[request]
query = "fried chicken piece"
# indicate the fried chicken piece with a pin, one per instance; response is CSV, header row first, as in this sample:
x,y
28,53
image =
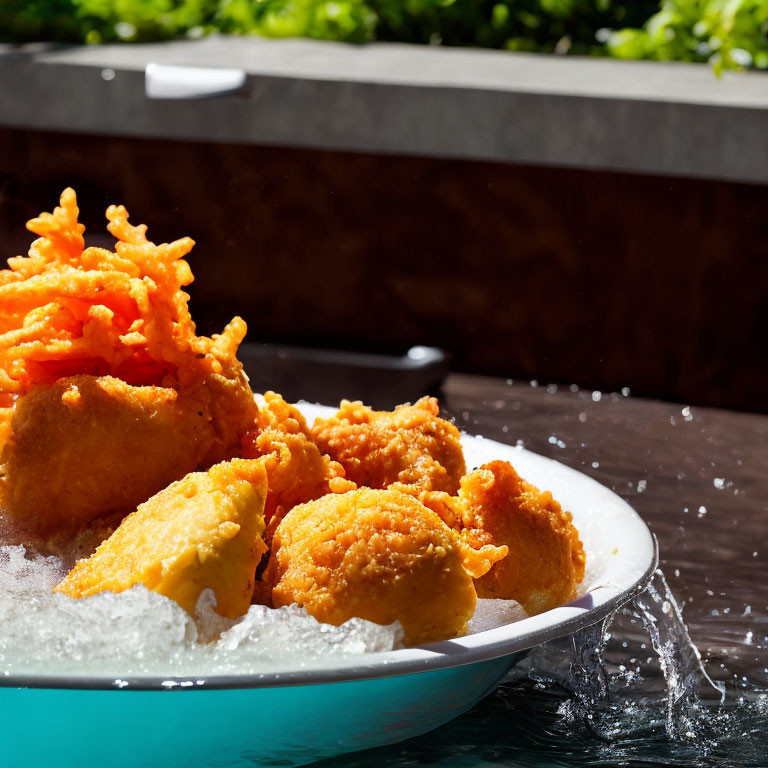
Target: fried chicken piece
x,y
202,532
107,393
378,555
546,559
410,447
297,471
90,446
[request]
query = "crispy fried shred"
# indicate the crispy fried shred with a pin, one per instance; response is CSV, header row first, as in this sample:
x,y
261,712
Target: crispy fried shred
x,y
67,309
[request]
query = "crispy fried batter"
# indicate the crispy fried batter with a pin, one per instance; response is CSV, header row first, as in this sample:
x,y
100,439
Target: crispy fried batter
x,y
546,559
86,447
378,555
202,532
481,553
410,446
296,470
69,311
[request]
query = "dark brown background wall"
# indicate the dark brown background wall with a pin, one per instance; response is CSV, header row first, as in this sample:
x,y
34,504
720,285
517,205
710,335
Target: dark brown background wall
x,y
601,279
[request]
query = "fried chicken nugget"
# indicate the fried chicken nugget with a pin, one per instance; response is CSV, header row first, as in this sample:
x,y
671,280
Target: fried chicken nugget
x,y
378,555
410,446
91,446
202,532
297,471
546,559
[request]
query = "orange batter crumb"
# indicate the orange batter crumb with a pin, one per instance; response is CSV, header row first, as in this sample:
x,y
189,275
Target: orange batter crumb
x,y
410,446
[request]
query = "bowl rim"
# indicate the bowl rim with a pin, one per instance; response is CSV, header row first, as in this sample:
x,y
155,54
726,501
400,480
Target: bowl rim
x,y
597,604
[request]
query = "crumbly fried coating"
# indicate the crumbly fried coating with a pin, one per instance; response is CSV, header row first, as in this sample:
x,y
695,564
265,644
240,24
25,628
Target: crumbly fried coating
x,y
546,559
378,555
67,309
90,446
202,532
278,414
296,470
71,313
410,447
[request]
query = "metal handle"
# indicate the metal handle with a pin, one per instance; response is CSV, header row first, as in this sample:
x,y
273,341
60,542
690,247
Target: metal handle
x,y
163,81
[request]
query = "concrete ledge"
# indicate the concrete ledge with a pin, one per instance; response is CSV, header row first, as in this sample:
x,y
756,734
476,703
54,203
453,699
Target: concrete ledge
x,y
647,117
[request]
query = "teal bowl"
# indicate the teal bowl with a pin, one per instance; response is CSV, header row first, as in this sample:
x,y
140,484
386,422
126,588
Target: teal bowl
x,y
317,709
288,725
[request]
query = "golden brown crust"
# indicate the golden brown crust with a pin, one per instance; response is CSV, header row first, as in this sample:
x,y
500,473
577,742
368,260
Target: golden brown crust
x,y
89,446
107,395
379,555
296,469
410,446
202,532
546,560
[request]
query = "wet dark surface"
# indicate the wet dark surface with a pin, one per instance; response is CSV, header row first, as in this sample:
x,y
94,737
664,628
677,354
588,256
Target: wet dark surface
x,y
699,477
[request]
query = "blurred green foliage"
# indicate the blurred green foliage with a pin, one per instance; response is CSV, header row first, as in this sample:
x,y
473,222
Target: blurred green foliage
x,y
728,33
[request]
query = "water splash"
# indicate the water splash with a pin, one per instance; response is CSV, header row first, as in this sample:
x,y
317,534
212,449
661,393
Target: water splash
x,y
631,691
688,683
621,690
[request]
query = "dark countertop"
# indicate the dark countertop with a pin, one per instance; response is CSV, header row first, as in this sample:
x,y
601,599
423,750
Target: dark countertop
x,y
699,477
